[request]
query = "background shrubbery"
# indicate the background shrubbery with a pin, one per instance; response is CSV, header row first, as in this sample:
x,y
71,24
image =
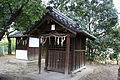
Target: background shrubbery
x,y
4,46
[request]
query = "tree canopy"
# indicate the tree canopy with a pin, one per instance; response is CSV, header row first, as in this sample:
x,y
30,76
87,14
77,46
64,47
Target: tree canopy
x,y
21,13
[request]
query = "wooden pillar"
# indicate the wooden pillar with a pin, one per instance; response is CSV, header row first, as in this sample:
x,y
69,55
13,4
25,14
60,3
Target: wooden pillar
x,y
39,57
74,44
84,51
67,55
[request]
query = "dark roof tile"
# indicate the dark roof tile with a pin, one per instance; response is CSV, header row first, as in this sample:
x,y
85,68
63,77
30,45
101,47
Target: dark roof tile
x,y
17,34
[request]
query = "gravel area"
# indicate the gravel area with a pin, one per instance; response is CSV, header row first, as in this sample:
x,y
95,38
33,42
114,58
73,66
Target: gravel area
x,y
19,71
102,72
7,67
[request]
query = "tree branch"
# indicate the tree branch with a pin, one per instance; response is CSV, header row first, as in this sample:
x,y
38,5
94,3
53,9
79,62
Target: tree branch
x,y
14,16
10,8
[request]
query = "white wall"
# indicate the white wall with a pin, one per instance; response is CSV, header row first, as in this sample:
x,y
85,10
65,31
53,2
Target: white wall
x,y
21,54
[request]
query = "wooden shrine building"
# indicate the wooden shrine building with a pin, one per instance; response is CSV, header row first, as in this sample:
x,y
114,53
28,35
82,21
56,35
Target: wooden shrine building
x,y
24,48
64,40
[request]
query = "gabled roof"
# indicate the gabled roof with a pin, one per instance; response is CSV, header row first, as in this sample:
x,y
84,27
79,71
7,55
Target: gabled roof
x,y
57,15
17,34
66,21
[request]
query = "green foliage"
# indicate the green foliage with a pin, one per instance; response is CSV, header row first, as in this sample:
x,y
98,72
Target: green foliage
x,y
43,51
113,56
4,46
13,45
31,11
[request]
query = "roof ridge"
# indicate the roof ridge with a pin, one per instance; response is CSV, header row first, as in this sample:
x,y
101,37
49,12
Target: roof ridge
x,y
59,13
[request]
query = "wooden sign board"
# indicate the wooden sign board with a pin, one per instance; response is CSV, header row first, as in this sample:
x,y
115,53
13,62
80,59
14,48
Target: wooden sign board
x,y
33,42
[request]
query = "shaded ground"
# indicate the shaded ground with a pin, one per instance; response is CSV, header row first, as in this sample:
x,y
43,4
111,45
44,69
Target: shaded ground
x,y
102,72
17,71
7,67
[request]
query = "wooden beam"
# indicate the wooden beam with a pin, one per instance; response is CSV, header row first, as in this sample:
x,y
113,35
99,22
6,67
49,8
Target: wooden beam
x,y
74,44
78,70
67,55
39,57
80,50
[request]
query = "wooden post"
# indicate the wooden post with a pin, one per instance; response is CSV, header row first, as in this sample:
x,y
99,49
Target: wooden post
x,y
74,44
67,55
39,58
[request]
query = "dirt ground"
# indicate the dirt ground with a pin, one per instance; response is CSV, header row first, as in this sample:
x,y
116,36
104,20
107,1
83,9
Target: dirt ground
x,y
8,66
18,71
102,72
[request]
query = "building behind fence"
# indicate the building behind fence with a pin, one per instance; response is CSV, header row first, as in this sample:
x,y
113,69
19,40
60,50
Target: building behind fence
x,y
4,49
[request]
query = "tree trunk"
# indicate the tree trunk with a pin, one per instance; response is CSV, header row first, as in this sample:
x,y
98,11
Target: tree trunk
x,y
105,58
9,46
117,61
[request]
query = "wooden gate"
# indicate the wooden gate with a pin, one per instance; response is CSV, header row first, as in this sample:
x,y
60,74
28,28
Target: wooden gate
x,y
56,57
56,60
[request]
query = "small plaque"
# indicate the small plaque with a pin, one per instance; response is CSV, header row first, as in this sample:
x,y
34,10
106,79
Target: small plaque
x,y
53,27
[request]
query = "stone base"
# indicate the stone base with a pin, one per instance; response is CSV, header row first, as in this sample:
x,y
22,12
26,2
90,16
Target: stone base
x,y
22,62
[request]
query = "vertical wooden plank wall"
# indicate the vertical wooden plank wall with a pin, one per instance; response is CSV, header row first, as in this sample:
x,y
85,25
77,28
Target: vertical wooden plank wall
x,y
79,53
39,57
33,53
21,43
